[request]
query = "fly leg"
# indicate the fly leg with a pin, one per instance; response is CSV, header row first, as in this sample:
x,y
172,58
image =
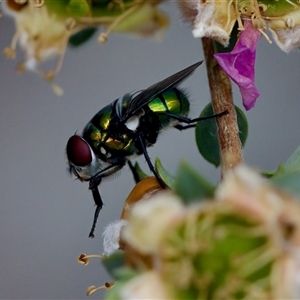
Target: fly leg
x,y
99,204
191,122
94,182
148,160
93,186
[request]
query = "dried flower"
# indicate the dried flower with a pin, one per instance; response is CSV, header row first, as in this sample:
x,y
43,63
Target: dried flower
x,y
286,30
41,35
215,19
43,27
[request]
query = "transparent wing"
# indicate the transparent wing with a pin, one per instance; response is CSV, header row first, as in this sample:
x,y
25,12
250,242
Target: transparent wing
x,y
151,92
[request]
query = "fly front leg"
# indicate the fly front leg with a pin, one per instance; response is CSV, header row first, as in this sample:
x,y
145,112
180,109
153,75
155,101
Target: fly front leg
x,y
99,204
94,182
93,186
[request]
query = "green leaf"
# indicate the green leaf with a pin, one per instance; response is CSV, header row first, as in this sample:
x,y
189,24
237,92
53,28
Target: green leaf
x,y
82,36
292,164
289,181
191,186
114,293
137,172
163,174
207,138
278,8
113,263
287,175
268,174
142,175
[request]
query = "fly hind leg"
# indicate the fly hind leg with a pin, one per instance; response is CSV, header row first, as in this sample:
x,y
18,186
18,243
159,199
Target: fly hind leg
x,y
192,122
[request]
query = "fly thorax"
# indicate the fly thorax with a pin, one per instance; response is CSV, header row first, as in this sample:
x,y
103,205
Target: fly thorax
x,y
121,105
115,146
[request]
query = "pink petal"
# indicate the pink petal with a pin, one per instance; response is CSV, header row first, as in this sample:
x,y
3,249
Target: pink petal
x,y
239,64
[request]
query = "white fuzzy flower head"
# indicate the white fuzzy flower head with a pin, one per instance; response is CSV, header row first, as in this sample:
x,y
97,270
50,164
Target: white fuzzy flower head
x,y
215,19
149,220
254,197
250,235
41,35
146,286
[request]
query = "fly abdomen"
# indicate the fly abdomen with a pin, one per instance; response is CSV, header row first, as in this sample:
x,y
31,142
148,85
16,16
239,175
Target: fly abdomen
x,y
173,101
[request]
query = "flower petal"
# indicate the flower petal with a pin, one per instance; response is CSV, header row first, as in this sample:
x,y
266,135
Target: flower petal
x,y
239,64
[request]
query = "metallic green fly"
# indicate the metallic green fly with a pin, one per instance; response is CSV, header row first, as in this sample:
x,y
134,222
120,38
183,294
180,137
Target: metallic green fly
x,y
127,127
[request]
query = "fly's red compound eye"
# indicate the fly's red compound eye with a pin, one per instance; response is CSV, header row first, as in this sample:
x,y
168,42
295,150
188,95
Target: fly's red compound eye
x,y
78,151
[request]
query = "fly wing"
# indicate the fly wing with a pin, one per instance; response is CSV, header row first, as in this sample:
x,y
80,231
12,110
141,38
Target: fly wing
x,y
147,95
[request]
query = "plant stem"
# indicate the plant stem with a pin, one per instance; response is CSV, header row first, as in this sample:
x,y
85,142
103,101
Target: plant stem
x,y
221,98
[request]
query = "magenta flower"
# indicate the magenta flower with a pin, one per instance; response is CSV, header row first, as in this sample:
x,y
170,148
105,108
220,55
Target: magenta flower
x,y
239,63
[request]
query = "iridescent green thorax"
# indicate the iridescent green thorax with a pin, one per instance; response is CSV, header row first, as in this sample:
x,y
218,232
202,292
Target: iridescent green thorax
x,y
96,130
110,138
107,137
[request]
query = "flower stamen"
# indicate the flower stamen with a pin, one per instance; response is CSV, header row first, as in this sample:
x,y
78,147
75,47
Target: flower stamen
x,y
83,258
93,289
238,16
265,35
252,12
104,35
228,14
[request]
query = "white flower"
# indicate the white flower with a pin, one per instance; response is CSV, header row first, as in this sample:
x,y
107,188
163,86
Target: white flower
x,y
149,220
148,285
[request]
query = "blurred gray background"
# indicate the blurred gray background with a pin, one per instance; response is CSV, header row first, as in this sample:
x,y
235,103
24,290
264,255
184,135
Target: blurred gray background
x,y
45,215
